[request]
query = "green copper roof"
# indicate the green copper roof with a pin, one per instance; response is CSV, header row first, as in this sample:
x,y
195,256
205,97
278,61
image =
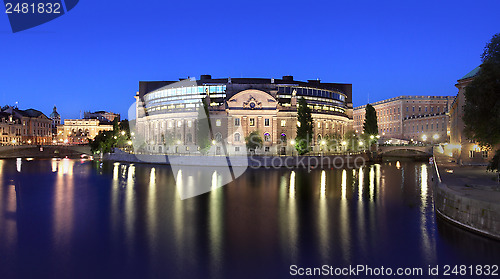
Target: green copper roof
x,y
472,73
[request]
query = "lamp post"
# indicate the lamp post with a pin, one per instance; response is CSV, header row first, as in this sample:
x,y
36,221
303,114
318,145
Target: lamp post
x,y
292,143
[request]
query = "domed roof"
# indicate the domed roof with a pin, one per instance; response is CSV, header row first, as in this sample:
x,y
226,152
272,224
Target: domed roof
x,y
54,113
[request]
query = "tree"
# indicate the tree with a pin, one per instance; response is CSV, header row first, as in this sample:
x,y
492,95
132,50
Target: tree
x,y
370,126
482,99
203,129
305,128
253,141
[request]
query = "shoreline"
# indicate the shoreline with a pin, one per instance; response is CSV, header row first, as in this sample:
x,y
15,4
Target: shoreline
x,y
474,208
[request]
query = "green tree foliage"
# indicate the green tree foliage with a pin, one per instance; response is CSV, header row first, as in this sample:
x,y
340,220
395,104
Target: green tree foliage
x,y
333,141
305,129
253,141
105,141
482,99
494,164
203,128
370,126
351,140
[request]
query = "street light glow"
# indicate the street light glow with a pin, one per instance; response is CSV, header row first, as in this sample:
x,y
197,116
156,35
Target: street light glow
x,y
436,136
424,137
292,142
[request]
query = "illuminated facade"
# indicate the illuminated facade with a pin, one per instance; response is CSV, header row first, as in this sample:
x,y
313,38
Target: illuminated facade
x,y
77,131
36,127
417,118
464,150
168,111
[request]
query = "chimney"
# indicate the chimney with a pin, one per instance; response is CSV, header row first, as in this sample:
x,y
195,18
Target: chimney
x,y
287,78
202,77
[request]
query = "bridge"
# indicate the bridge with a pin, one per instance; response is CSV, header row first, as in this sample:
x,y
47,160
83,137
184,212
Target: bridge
x,y
44,151
405,150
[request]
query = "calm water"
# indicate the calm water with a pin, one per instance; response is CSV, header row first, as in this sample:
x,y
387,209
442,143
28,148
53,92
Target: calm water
x,y
74,219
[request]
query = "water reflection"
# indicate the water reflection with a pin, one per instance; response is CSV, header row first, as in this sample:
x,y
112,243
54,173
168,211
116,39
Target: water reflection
x,y
135,217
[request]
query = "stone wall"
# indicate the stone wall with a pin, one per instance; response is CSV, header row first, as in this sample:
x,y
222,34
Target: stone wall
x,y
473,214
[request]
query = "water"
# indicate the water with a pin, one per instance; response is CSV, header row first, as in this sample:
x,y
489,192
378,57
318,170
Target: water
x,y
81,219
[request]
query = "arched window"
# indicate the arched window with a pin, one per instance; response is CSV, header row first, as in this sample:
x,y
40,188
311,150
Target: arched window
x,y
218,137
283,138
237,137
189,137
319,138
267,137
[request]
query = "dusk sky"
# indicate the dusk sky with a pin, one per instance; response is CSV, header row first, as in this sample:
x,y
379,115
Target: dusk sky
x,y
93,57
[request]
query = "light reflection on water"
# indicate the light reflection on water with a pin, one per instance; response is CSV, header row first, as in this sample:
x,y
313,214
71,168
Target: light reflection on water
x,y
130,219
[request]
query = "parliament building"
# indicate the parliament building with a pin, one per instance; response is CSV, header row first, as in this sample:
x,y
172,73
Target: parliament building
x,y
167,113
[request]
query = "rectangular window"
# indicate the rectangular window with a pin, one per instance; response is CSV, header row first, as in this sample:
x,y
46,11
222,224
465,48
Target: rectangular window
x,y
218,122
236,122
485,154
252,121
283,123
266,122
237,149
267,149
471,154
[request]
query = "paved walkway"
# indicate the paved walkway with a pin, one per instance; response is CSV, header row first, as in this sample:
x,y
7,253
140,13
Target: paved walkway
x,y
471,181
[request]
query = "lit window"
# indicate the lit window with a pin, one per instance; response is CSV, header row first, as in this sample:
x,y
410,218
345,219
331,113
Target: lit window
x,y
190,124
218,122
267,137
283,123
319,125
485,153
252,121
471,154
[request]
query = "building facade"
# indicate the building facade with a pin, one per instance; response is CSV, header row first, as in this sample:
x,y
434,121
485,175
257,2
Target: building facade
x,y
102,116
412,118
168,113
79,131
36,126
464,150
10,129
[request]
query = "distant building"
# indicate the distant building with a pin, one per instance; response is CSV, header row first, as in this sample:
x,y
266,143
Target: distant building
x,y
102,116
78,131
464,150
11,129
56,121
417,118
237,107
36,126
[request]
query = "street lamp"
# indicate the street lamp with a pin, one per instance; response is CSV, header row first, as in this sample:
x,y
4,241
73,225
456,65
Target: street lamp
x,y
129,142
123,133
372,137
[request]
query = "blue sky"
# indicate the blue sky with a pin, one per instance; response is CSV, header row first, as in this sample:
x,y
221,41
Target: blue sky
x,y
93,57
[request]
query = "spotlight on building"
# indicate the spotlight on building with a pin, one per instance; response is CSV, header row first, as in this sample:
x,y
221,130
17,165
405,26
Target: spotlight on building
x,y
323,142
360,143
372,137
123,133
424,137
436,136
179,142
29,141
344,142
129,142
214,142
14,141
292,142
378,136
